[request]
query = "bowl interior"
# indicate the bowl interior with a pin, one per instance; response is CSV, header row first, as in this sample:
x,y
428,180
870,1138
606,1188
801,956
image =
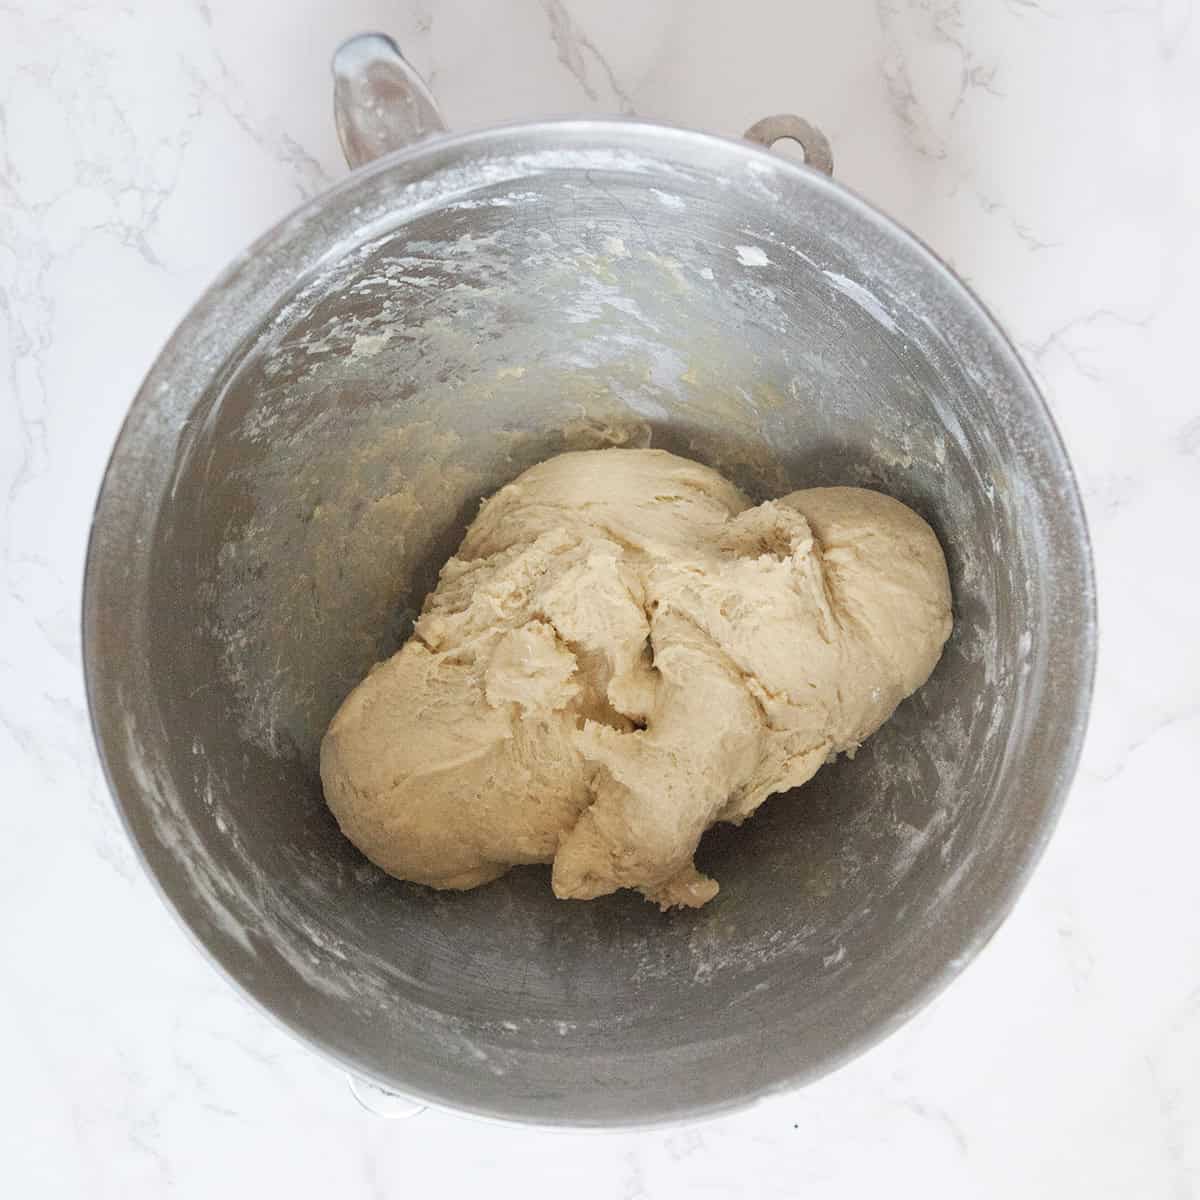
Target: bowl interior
x,y
329,464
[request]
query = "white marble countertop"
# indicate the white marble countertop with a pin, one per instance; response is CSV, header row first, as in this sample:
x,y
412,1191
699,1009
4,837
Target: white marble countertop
x,y
1050,149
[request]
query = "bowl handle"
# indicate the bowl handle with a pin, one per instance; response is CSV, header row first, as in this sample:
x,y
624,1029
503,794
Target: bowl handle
x,y
817,153
380,103
382,1102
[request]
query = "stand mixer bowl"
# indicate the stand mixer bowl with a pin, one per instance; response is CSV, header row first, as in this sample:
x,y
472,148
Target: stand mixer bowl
x,y
309,448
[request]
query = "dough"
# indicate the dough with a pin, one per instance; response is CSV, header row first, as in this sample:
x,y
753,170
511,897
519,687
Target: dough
x,y
623,652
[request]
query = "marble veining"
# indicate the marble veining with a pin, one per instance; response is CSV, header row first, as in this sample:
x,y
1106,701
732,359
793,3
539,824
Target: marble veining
x,y
1049,149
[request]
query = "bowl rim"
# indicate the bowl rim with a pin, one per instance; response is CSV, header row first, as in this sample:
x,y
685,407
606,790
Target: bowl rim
x,y
102,585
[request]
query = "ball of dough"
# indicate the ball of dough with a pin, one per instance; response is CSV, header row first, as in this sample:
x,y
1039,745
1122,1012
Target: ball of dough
x,y
623,652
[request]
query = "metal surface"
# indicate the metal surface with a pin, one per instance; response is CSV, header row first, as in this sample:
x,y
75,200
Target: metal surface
x,y
310,446
380,103
786,126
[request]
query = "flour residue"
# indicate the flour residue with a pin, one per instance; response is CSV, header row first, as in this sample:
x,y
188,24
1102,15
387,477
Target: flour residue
x,y
752,256
863,297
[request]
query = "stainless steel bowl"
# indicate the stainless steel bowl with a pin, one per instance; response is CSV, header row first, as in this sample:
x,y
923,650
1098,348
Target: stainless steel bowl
x,y
312,442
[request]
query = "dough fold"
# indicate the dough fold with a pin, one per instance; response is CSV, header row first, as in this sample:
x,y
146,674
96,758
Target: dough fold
x,y
623,652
